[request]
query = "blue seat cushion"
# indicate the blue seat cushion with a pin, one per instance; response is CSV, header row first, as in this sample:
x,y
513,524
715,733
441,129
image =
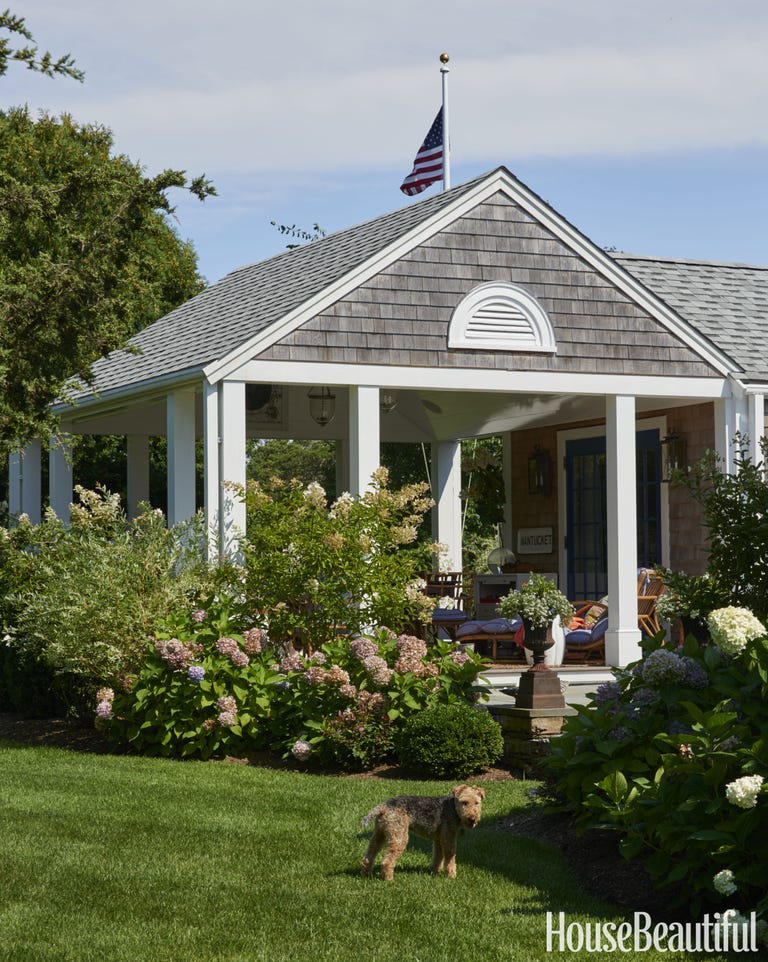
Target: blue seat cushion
x,y
449,615
497,626
587,636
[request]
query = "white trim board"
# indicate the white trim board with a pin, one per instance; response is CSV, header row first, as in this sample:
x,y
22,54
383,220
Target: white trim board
x,y
480,379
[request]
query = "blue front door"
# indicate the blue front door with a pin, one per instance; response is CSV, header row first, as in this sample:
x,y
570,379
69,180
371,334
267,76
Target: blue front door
x,y
586,542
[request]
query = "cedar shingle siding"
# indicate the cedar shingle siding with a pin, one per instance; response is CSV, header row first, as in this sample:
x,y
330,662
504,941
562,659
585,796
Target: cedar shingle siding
x,y
401,316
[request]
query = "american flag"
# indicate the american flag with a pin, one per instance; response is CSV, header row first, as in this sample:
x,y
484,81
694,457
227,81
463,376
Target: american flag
x,y
428,165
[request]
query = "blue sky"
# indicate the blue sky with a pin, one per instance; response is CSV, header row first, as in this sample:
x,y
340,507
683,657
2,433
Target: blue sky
x,y
643,124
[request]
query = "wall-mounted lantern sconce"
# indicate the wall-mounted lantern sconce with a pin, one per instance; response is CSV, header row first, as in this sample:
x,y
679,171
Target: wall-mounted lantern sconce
x,y
673,455
387,402
322,405
539,472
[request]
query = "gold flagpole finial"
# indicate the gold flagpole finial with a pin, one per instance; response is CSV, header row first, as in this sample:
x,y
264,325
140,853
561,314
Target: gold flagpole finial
x,y
444,58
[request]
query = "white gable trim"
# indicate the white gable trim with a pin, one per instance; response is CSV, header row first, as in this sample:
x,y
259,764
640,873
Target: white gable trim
x,y
501,317
498,181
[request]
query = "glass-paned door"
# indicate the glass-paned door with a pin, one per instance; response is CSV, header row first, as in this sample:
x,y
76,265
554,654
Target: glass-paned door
x,y
586,518
586,511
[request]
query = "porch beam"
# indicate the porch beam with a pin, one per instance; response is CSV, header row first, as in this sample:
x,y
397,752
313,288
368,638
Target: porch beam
x,y
517,382
622,639
364,437
446,491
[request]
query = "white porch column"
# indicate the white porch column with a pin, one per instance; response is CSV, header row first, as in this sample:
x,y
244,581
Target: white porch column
x,y
15,467
364,437
342,466
446,490
506,471
756,409
24,484
211,467
137,470
623,636
180,406
232,463
60,477
731,417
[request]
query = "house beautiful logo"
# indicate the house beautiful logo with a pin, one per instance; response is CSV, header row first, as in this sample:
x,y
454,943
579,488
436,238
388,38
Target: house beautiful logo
x,y
718,932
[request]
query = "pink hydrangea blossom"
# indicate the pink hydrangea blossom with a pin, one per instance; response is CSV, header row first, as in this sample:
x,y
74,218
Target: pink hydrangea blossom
x,y
230,648
378,670
226,719
178,654
363,648
336,676
292,662
315,675
255,640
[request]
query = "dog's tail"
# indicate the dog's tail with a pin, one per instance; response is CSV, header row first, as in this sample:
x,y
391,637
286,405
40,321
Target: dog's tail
x,y
374,813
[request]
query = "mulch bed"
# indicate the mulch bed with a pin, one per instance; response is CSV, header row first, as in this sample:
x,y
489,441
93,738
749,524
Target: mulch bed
x,y
593,856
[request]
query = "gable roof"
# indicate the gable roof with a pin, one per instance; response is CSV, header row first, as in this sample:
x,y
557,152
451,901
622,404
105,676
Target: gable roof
x,y
728,303
250,299
219,326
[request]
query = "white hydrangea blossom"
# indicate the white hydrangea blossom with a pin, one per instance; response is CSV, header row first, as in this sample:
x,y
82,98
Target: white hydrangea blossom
x,y
342,505
733,628
446,602
663,666
724,882
314,494
744,791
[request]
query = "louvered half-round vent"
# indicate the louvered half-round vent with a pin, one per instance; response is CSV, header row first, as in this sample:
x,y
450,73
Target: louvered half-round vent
x,y
501,317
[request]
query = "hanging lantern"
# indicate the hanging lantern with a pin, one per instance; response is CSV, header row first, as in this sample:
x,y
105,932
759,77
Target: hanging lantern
x,y
322,405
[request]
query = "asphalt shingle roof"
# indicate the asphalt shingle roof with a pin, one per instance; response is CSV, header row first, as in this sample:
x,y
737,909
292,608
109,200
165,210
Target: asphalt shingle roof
x,y
727,303
250,299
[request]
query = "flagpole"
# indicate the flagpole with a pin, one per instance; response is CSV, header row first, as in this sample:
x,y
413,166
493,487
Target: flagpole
x,y
444,70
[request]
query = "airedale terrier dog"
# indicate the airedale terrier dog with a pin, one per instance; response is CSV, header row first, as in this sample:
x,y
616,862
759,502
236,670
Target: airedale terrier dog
x,y
437,818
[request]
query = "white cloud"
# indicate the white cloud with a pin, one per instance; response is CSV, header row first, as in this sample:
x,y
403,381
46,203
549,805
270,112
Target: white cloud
x,y
333,85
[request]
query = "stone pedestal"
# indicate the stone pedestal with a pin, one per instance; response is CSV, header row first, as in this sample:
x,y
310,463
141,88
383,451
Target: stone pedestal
x,y
527,731
539,688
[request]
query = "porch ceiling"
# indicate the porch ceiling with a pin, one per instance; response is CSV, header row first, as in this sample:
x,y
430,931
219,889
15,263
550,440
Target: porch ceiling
x,y
420,415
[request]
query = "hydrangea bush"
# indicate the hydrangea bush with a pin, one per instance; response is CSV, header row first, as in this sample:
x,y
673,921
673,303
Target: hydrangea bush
x,y
673,754
314,567
78,600
213,684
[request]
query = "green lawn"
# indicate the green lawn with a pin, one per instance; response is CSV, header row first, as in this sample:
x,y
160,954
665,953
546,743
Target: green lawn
x,y
117,859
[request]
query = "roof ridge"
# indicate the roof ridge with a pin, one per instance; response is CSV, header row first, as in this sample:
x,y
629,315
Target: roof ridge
x,y
693,261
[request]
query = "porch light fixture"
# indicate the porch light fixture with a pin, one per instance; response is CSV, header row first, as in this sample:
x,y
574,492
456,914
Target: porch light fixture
x,y
387,402
673,455
539,472
322,405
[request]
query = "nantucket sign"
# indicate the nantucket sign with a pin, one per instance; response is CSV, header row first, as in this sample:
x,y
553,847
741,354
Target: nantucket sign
x,y
535,540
